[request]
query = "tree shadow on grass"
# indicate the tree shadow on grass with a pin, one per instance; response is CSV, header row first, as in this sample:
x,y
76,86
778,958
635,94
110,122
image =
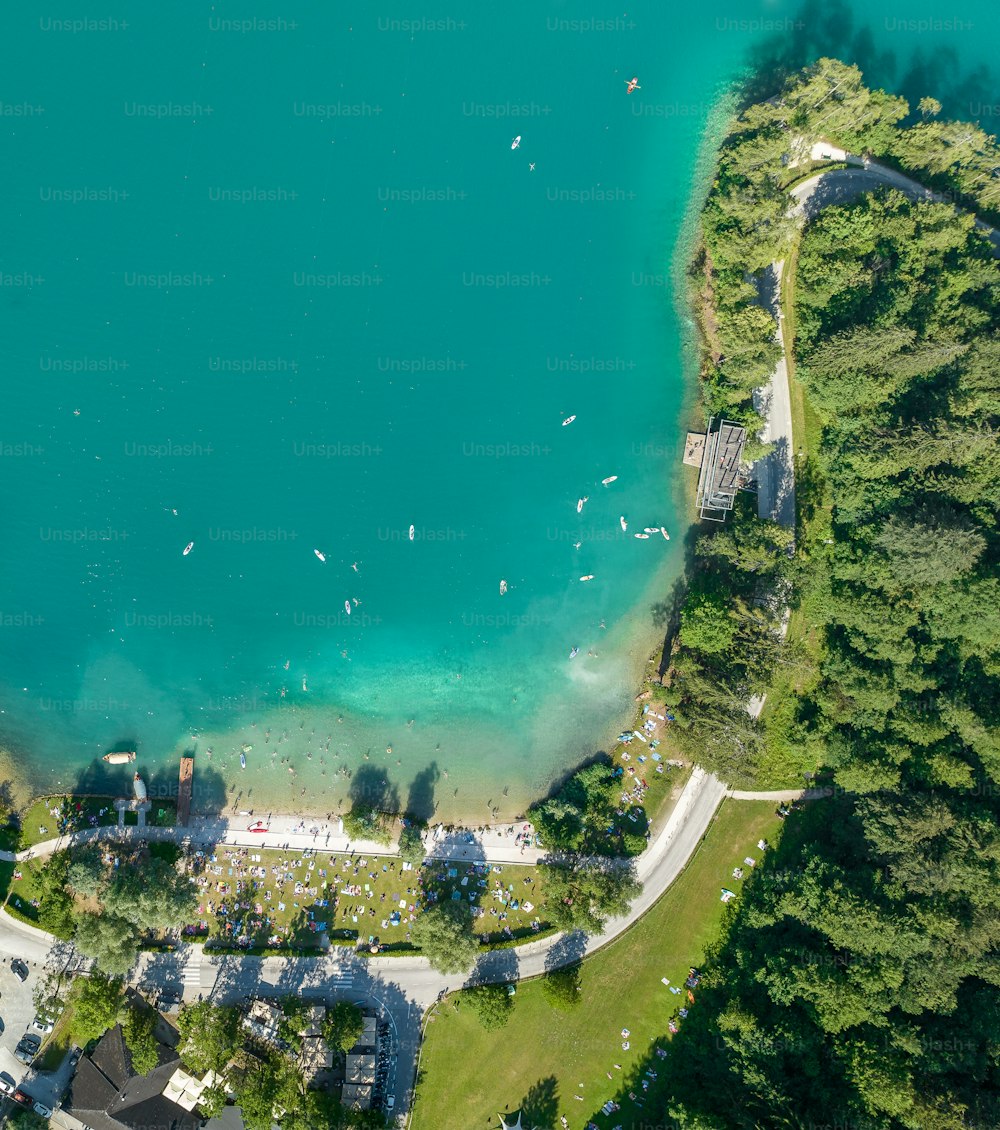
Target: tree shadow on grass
x,y
540,1106
568,950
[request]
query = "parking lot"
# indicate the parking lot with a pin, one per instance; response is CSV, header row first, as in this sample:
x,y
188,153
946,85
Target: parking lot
x,y
17,1010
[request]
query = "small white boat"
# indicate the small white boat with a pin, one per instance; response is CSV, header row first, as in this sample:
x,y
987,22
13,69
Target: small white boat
x,y
321,556
347,607
503,587
119,757
623,523
588,577
139,788
569,420
574,653
609,480
580,502
652,529
516,142
664,532
412,532
642,537
188,548
243,761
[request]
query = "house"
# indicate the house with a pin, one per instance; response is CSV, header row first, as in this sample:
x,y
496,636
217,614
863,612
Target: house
x,y
262,1020
107,1093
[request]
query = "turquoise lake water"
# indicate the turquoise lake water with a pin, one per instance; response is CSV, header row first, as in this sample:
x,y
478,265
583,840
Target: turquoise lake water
x,y
281,272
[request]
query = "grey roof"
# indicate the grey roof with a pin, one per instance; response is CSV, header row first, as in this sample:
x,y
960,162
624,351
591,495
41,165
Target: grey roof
x,y
107,1093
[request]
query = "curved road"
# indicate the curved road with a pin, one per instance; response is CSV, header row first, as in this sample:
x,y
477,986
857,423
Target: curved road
x,y
776,472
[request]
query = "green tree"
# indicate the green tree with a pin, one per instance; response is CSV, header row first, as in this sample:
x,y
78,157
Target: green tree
x,y
109,940
55,912
210,1036
343,1025
559,823
583,894
365,822
212,1102
86,872
444,934
936,546
411,844
26,1119
492,1004
707,626
561,987
153,896
139,1029
96,1004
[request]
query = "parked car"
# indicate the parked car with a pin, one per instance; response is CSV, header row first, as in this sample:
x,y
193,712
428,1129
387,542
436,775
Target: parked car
x,y
43,1110
20,1097
42,1024
27,1048
390,1102
19,968
7,1088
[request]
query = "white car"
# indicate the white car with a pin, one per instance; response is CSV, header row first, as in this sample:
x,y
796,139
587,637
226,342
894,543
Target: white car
x,y
42,1024
6,1088
42,1110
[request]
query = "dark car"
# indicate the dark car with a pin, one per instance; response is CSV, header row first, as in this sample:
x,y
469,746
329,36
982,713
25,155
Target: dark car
x,y
19,968
27,1048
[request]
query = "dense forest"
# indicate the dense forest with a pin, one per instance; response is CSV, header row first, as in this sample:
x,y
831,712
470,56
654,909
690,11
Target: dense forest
x,y
859,982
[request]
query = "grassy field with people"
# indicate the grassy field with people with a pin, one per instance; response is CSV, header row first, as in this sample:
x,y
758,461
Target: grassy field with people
x,y
543,1054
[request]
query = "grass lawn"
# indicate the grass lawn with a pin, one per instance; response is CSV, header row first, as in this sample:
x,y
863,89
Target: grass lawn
x,y
162,813
25,889
289,889
57,1043
6,872
468,1074
70,814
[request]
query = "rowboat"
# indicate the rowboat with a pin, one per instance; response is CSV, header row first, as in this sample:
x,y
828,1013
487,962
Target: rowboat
x,y
119,757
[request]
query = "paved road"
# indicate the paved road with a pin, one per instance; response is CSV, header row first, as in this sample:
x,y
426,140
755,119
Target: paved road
x,y
497,840
776,472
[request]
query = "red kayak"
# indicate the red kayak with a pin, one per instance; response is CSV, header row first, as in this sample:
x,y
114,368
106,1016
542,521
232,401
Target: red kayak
x,y
258,827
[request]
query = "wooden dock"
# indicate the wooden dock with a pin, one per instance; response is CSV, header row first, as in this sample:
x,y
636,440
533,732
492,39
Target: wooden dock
x,y
184,790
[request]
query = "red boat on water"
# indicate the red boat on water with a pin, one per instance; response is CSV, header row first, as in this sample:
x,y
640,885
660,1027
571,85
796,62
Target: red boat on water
x,y
632,84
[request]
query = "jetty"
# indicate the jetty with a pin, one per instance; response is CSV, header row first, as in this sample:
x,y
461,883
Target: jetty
x,y
184,788
721,475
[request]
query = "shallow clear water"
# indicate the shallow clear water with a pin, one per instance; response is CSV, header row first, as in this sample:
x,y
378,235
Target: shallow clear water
x,y
289,279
